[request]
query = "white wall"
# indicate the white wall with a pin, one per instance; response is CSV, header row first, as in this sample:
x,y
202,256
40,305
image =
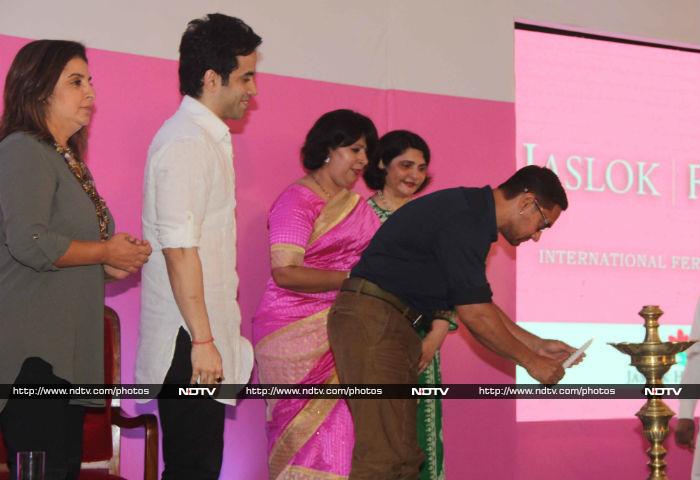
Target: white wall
x,y
670,21
452,47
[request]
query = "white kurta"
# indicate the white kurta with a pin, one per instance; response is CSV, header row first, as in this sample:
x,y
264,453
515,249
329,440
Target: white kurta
x,y
189,201
691,375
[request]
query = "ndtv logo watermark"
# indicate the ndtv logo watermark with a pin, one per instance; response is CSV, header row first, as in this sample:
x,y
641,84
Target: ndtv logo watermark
x,y
196,391
429,391
660,391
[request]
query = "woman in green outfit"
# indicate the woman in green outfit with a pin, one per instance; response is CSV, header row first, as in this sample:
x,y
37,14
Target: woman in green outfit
x,y
397,173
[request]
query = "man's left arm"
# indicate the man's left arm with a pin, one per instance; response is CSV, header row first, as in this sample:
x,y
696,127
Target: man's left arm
x,y
432,342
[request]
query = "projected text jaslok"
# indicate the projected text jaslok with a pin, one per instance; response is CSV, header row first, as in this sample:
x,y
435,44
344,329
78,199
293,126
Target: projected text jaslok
x,y
617,176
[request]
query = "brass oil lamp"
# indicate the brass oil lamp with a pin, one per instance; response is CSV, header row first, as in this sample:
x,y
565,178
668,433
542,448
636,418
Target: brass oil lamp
x,y
653,358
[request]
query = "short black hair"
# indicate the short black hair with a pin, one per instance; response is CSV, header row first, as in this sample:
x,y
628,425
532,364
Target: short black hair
x,y
391,145
541,181
338,128
213,43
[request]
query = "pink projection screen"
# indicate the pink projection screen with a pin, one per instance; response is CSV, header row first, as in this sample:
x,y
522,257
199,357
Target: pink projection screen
x,y
620,125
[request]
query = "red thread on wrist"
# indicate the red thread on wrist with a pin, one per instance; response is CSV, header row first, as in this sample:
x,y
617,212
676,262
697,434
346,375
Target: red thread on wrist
x,y
202,342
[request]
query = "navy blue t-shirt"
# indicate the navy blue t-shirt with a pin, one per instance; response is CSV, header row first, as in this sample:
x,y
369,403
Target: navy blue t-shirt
x,y
431,253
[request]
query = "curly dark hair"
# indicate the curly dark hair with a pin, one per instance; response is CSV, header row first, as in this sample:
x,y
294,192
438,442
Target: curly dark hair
x,y
391,145
30,82
338,128
213,43
541,181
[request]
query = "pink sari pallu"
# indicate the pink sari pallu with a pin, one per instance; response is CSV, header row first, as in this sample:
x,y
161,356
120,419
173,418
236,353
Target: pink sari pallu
x,y
310,438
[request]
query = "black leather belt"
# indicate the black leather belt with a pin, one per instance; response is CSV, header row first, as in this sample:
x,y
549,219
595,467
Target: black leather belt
x,y
365,287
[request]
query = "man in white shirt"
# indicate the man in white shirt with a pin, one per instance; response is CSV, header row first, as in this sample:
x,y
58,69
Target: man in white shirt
x,y
190,320
685,429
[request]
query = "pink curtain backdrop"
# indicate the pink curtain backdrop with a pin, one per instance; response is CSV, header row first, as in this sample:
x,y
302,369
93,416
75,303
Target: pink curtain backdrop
x,y
473,143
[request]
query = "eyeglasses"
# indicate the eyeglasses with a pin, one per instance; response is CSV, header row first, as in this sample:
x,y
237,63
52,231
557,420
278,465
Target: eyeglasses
x,y
545,220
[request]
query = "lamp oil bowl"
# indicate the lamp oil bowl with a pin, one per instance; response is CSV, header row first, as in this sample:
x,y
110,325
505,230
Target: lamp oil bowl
x,y
653,358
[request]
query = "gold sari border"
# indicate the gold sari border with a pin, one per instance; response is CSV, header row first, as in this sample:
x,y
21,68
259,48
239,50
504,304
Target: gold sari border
x,y
300,430
297,472
287,247
286,254
333,213
262,344
270,359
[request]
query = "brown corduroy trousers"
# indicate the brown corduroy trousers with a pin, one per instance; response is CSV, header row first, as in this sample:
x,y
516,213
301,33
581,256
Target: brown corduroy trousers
x,y
374,344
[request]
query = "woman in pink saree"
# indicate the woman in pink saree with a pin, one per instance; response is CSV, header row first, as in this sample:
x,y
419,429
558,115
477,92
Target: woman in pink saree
x,y
318,230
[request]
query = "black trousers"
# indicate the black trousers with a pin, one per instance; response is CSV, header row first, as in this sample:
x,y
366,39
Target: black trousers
x,y
193,428
47,425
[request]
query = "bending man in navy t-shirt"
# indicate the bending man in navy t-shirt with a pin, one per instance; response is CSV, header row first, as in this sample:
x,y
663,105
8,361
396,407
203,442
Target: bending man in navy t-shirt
x,y
431,255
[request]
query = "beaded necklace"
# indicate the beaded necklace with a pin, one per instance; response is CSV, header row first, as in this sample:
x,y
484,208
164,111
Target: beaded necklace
x,y
82,173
